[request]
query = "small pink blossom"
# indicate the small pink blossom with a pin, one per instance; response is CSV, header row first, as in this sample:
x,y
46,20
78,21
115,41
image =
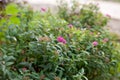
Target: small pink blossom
x,y
108,15
95,43
61,39
105,40
97,4
91,33
24,69
70,25
43,9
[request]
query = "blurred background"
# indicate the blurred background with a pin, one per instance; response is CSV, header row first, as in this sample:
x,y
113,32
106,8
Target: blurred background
x,y
107,7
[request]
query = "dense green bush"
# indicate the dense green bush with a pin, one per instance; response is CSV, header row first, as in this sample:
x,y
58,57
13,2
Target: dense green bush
x,y
44,47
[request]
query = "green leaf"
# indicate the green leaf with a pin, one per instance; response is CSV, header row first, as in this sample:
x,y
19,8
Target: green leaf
x,y
9,63
10,58
12,9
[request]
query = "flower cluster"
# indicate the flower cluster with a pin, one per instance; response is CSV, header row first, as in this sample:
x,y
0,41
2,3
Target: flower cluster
x,y
70,25
61,39
43,9
95,43
105,40
109,16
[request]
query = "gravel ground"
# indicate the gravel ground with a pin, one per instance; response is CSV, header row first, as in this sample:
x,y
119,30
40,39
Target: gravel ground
x,y
114,26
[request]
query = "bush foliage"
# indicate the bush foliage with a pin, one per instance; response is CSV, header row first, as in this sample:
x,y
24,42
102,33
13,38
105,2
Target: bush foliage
x,y
37,46
82,15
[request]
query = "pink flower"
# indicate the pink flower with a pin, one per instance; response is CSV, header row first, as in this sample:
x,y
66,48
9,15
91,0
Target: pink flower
x,y
95,43
91,33
43,9
97,4
70,25
108,15
105,40
61,39
24,69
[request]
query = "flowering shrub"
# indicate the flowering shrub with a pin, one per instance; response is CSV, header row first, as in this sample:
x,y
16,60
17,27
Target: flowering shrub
x,y
46,47
83,16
